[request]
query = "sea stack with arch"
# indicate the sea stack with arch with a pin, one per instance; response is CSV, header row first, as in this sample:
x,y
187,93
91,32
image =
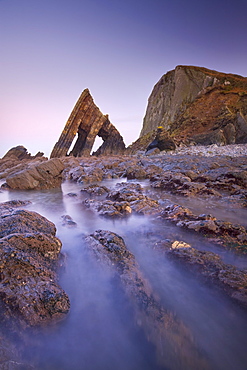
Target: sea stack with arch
x,y
87,121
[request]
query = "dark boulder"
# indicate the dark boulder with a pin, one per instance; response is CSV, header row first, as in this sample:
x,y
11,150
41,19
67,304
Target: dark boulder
x,y
162,141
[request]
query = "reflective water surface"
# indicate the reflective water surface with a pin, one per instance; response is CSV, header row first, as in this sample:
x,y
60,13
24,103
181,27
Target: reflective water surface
x,y
100,331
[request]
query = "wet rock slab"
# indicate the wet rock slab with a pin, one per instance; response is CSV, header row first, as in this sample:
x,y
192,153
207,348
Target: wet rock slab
x,y
44,175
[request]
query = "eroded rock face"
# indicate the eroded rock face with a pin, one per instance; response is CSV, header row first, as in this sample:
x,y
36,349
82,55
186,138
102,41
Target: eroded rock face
x,y
200,106
29,252
87,122
37,175
162,328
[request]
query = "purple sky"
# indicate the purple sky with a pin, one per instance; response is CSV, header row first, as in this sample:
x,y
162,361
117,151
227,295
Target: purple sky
x,y
51,50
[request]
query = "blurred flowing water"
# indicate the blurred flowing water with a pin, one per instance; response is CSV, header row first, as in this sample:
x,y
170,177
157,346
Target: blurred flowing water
x,y
100,331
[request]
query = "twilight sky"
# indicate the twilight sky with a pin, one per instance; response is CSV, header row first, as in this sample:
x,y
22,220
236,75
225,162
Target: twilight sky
x,y
51,50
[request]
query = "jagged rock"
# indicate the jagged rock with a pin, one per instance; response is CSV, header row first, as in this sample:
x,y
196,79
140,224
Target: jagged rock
x,y
13,204
133,194
44,175
23,221
12,164
29,252
87,122
95,189
74,173
145,206
20,152
125,199
182,185
198,105
234,177
186,175
162,328
127,192
222,232
209,265
109,208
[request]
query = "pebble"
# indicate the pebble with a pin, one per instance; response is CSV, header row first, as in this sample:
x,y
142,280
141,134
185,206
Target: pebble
x,y
233,150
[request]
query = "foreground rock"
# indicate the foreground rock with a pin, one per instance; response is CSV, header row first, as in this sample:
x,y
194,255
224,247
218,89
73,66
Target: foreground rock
x,y
36,175
210,266
161,327
29,252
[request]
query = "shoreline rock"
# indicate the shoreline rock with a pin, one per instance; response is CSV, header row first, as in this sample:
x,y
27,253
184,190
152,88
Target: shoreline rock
x,y
30,255
44,175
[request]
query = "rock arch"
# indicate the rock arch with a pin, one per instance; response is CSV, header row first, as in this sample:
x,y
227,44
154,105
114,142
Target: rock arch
x,y
87,121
